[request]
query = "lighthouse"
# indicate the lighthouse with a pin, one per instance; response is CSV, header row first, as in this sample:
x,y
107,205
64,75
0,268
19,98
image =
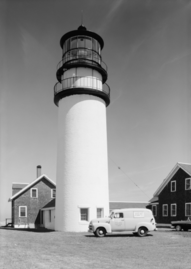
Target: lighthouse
x,y
81,95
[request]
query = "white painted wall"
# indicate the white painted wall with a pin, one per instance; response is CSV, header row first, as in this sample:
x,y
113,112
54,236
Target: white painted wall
x,y
82,164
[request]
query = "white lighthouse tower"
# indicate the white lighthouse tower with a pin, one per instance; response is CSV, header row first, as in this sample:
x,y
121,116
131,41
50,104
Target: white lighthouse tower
x,y
82,96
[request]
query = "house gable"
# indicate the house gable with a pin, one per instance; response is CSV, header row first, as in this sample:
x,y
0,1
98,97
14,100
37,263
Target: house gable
x,y
32,184
167,194
185,167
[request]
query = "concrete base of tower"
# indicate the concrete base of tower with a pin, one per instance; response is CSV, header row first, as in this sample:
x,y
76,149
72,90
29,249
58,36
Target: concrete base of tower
x,y
82,192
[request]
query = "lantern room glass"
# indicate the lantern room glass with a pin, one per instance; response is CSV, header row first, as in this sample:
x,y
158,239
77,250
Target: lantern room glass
x,y
81,42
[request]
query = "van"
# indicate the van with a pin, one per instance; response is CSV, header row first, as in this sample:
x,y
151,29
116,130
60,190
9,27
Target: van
x,y
140,221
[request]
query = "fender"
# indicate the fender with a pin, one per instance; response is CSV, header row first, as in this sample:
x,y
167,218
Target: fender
x,y
107,226
144,224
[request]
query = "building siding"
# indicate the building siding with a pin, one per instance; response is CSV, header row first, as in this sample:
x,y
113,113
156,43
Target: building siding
x,y
33,218
179,197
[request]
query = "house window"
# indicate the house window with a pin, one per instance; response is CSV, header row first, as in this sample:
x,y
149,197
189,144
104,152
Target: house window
x,y
84,214
34,193
187,183
165,210
173,186
53,193
22,211
188,209
99,212
173,210
154,210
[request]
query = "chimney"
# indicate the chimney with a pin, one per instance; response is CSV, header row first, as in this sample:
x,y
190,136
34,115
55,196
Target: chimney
x,y
38,171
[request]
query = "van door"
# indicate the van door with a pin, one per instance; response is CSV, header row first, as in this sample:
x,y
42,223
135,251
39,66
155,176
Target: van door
x,y
118,222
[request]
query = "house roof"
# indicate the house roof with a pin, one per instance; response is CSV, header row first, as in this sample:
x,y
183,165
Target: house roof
x,y
127,204
16,185
154,199
50,204
30,185
184,166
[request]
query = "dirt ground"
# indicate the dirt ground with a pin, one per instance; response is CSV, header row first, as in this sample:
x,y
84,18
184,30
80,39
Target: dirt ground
x,y
164,249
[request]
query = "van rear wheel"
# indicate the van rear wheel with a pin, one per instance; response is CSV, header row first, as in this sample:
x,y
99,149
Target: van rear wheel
x,y
142,231
100,232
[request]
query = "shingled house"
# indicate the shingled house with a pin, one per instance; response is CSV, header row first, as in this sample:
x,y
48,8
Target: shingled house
x,y
28,199
172,199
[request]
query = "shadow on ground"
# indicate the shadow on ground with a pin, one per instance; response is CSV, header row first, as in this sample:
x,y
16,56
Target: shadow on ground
x,y
120,235
39,230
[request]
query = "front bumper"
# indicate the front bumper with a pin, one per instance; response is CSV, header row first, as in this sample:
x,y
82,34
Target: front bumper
x,y
90,229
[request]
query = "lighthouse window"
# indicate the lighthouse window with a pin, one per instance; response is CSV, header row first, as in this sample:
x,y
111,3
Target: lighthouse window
x,y
94,44
99,212
84,214
81,42
88,43
64,48
67,44
73,43
98,47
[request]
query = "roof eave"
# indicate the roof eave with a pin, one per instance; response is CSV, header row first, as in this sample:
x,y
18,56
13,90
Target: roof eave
x,y
169,176
32,183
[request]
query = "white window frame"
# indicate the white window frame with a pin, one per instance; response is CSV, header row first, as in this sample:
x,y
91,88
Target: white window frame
x,y
87,214
171,184
20,211
102,212
163,210
36,192
154,206
186,210
52,191
185,183
173,215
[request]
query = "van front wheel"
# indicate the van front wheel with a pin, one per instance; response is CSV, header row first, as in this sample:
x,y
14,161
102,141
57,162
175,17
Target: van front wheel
x,y
100,232
142,231
178,228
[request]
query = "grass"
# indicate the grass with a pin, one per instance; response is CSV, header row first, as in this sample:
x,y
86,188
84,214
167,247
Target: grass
x,y
59,250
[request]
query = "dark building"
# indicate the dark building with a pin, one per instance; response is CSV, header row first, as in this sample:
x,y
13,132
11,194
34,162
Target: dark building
x,y
172,200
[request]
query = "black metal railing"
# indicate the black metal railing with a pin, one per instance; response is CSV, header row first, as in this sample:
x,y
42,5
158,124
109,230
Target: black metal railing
x,y
82,55
89,82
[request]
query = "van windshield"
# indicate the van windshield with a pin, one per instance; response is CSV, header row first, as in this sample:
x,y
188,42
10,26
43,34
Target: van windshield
x,y
111,215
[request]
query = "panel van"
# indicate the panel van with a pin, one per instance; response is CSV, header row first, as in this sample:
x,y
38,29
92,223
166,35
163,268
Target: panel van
x,y
140,221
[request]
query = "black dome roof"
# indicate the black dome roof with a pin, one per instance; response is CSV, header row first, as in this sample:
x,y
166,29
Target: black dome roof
x,y
81,31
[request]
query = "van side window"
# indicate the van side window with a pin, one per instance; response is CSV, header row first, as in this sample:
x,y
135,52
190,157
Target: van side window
x,y
118,215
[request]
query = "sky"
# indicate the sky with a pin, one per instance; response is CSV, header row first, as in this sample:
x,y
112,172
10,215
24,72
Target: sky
x,y
147,48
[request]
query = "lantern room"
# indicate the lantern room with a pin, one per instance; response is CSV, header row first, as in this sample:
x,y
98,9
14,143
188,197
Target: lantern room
x,y
81,70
